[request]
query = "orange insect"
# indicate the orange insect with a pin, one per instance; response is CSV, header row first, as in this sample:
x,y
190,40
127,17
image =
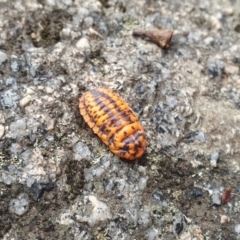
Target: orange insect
x,y
114,122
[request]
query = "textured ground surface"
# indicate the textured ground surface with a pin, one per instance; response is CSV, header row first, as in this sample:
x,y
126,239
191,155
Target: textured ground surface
x,y
59,181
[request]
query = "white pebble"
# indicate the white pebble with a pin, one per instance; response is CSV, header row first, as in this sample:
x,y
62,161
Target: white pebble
x,y
224,219
3,57
25,101
1,131
19,205
83,44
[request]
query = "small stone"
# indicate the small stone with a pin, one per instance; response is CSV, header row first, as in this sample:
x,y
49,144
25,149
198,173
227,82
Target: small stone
x,y
3,57
39,188
49,90
100,212
67,2
152,234
18,129
83,44
142,183
81,151
195,193
216,198
2,120
224,219
214,159
14,64
200,137
237,228
25,101
30,181
51,2
228,11
30,90
88,21
19,205
15,149
159,199
215,68
178,224
11,82
8,179
1,131
98,169
50,124
51,99
144,220
9,99
215,23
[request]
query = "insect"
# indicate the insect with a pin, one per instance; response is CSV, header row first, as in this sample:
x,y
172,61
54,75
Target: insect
x,y
114,122
226,196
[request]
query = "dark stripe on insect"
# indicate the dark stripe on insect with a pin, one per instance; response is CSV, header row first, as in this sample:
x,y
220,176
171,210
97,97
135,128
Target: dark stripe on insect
x,y
97,94
114,121
134,139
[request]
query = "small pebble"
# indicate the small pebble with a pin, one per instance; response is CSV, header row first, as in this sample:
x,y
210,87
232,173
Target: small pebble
x,y
1,131
81,151
178,224
25,101
19,205
216,198
224,219
9,99
214,159
3,57
237,228
2,120
83,44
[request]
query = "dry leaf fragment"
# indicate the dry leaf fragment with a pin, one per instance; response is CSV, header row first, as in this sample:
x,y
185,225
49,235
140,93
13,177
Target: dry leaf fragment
x,y
162,37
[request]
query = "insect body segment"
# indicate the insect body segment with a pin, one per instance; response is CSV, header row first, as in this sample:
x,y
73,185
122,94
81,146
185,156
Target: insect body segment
x,y
114,122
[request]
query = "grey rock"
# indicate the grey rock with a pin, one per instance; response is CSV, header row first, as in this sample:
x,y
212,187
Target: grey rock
x,y
9,99
88,22
3,57
144,220
195,193
97,170
216,197
8,178
1,85
18,129
11,168
197,135
15,149
81,151
43,78
159,199
177,224
11,82
15,64
200,137
19,205
81,14
215,68
103,29
108,184
214,159
38,188
152,234
237,228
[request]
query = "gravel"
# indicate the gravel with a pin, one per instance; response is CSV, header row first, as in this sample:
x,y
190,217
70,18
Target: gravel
x,y
58,180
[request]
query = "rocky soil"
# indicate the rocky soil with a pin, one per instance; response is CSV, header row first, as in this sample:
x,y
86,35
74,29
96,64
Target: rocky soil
x,y
59,181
